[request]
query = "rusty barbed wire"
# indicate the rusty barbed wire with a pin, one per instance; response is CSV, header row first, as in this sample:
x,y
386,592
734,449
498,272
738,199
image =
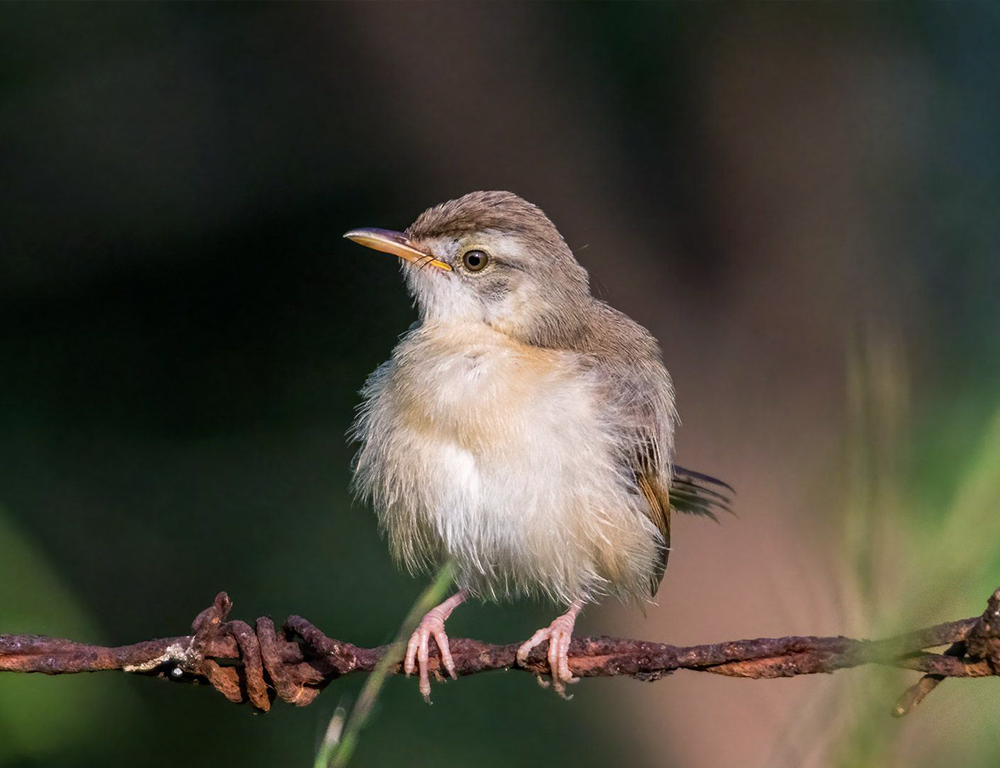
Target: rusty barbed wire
x,y
259,664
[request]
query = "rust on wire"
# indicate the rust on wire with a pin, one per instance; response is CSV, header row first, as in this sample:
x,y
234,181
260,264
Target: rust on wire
x,y
260,663
981,644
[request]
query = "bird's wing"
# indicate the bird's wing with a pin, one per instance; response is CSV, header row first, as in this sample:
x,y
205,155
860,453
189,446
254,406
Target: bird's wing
x,y
642,397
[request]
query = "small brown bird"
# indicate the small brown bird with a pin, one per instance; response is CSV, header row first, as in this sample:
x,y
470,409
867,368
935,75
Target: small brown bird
x,y
522,428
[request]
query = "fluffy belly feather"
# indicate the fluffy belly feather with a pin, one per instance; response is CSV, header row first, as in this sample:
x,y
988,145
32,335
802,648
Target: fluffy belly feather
x,y
503,458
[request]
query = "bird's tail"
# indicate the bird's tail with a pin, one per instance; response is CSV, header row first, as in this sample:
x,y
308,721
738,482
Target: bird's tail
x,y
696,494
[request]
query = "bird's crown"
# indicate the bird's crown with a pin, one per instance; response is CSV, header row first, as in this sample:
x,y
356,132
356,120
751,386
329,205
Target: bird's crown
x,y
485,210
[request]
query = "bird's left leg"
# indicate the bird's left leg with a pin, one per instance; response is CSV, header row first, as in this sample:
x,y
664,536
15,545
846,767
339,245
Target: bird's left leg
x,y
418,649
558,633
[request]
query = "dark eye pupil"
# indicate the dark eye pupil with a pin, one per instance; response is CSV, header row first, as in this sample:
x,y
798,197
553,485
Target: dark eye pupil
x,y
475,260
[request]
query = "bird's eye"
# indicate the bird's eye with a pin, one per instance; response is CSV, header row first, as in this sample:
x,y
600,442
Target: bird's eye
x,y
475,261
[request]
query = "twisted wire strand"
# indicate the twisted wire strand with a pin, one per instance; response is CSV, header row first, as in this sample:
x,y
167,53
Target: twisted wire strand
x,y
259,664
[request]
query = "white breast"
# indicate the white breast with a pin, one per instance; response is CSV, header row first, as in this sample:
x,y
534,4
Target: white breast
x,y
502,457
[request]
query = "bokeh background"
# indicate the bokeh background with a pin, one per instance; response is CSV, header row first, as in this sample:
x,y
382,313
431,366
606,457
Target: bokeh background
x,y
800,201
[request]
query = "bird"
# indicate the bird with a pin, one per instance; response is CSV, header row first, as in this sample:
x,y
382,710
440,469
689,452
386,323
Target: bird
x,y
522,428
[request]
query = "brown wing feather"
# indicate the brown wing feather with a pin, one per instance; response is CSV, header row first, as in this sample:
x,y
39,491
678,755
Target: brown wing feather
x,y
659,513
692,493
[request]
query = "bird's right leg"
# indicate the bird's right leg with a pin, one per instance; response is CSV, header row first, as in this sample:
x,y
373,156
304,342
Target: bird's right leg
x,y
418,649
559,634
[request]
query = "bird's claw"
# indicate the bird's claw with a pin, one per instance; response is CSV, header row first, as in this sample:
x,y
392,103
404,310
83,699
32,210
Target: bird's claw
x,y
558,633
417,657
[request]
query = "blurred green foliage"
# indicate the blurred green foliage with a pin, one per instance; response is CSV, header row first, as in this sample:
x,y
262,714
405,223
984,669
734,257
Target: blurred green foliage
x,y
41,717
922,533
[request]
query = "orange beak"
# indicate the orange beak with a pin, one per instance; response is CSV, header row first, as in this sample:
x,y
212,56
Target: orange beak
x,y
397,244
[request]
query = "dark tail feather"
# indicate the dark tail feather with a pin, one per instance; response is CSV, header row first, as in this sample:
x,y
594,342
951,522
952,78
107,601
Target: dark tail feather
x,y
696,494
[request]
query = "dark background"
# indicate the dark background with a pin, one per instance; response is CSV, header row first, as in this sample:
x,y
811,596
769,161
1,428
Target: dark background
x,y
799,201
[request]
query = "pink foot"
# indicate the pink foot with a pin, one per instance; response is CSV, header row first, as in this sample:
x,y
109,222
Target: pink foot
x,y
558,633
418,649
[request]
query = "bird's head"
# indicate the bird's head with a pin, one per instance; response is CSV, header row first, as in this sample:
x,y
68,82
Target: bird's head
x,y
487,257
